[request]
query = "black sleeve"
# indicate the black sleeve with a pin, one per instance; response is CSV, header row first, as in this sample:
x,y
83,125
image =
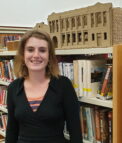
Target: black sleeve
x,y
72,112
12,124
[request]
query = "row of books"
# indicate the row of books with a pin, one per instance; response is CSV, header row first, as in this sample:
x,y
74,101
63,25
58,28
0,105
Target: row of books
x,y
91,78
66,69
6,70
96,124
5,38
3,95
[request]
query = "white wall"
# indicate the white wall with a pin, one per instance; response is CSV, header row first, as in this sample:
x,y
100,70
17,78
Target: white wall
x,y
29,12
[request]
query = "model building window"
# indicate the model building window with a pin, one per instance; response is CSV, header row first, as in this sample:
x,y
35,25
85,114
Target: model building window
x,y
73,22
105,36
53,26
55,42
85,20
93,37
104,18
57,27
79,37
78,21
68,38
50,26
67,23
63,38
85,36
98,17
73,37
62,23
92,19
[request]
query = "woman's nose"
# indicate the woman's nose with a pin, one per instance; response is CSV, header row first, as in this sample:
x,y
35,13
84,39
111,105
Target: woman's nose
x,y
36,53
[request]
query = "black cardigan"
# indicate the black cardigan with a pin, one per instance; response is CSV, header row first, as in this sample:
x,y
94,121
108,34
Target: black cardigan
x,y
60,104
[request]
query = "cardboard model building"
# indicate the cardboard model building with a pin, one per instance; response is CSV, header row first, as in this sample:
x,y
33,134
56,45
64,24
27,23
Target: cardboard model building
x,y
99,25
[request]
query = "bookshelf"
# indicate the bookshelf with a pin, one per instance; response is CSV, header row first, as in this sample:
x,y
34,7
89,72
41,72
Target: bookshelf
x,y
89,100
115,104
6,33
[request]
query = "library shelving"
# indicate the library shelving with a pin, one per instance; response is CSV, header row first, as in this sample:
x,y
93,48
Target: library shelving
x,y
84,99
115,103
7,33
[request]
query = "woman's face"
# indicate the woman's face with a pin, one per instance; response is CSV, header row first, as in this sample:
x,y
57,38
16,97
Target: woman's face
x,y
36,54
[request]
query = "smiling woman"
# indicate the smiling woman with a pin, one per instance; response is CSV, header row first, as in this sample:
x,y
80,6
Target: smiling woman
x,y
36,55
40,101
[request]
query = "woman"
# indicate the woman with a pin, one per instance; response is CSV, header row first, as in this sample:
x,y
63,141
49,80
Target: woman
x,y
40,101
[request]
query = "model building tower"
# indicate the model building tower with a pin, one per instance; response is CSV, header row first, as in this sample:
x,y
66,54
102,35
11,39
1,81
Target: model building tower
x,y
41,26
99,25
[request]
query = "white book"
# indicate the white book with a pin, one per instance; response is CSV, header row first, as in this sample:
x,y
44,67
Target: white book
x,y
80,77
85,76
12,66
60,68
95,69
75,76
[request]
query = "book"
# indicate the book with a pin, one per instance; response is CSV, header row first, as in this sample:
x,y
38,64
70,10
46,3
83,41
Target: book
x,y
104,128
95,70
97,125
105,90
110,126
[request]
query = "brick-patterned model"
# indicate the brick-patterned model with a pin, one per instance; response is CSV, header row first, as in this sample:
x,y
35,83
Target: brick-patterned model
x,y
99,25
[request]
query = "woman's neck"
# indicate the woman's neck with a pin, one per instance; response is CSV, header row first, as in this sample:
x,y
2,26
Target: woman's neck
x,y
37,78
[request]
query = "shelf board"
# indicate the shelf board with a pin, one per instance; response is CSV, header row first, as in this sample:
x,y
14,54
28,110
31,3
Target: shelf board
x,y
84,51
70,51
2,108
2,140
8,53
2,132
67,137
95,101
16,30
4,83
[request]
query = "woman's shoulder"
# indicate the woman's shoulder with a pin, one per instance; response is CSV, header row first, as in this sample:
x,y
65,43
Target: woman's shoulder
x,y
63,78
15,82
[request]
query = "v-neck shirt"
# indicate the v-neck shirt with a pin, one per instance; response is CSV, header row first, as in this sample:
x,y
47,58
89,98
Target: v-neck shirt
x,y
59,104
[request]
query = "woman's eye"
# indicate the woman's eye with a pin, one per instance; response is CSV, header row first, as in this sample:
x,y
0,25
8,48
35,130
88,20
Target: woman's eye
x,y
42,50
30,50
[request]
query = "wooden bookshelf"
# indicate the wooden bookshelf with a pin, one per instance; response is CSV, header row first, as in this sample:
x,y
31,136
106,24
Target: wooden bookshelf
x,y
117,94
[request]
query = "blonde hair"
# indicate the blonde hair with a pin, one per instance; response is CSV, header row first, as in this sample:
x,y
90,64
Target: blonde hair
x,y
20,68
